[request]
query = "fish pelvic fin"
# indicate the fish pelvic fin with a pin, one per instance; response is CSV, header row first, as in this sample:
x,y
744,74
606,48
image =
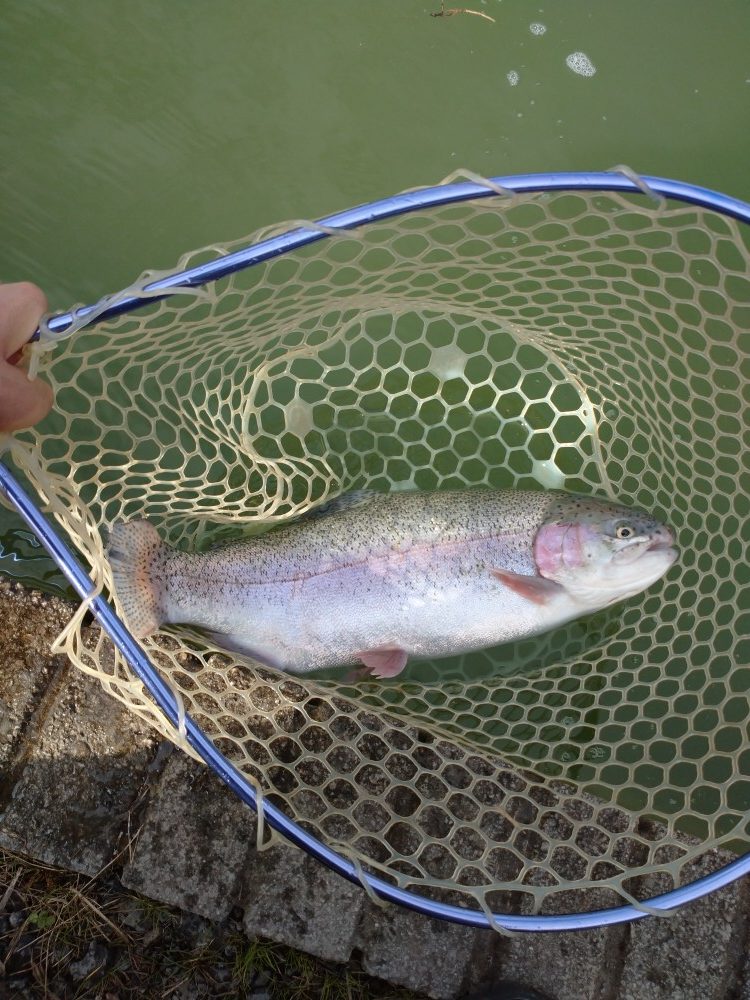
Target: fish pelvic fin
x,y
534,588
135,554
385,661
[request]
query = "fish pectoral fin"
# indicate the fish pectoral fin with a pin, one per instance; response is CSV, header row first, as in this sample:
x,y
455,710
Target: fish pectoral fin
x,y
385,661
533,588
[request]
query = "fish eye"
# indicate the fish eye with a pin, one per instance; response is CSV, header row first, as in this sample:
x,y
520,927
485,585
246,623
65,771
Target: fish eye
x,y
624,531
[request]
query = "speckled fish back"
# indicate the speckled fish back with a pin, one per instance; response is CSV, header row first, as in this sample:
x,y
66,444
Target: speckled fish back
x,y
387,522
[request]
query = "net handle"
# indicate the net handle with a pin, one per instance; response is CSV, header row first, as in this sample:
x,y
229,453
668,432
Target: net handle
x,y
165,699
408,201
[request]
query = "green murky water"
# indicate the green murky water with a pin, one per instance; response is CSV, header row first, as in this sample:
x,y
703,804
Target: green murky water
x,y
131,134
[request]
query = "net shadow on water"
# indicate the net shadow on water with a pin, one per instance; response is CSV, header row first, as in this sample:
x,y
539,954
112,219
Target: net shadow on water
x,y
582,341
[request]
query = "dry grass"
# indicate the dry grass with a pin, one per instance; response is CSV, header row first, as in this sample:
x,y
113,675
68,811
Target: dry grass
x,y
65,936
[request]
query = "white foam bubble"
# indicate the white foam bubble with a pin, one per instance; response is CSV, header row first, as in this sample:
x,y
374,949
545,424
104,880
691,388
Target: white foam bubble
x,y
299,418
580,63
537,29
448,362
512,78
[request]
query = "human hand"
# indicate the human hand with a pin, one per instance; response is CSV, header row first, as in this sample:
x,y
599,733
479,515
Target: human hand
x,y
22,402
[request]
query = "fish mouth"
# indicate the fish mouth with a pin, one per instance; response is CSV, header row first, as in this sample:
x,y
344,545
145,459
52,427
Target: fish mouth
x,y
662,540
665,548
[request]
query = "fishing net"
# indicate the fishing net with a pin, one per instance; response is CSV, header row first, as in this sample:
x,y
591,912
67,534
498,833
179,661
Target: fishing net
x,y
587,341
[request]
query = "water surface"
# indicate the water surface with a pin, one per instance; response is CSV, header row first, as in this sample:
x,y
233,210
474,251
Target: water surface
x,y
131,134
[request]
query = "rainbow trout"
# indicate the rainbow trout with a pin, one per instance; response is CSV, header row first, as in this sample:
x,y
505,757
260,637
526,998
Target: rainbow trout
x,y
373,578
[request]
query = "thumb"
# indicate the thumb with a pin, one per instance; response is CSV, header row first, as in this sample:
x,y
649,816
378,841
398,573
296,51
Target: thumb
x,y
22,403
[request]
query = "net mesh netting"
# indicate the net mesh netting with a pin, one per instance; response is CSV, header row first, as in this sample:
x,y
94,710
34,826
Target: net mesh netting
x,y
585,341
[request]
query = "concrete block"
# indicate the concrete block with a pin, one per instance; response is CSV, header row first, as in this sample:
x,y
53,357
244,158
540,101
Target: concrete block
x,y
423,954
742,991
690,954
195,842
567,965
29,623
293,899
82,772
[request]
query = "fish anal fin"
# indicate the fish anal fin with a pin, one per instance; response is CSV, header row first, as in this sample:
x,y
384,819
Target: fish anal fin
x,y
385,661
534,588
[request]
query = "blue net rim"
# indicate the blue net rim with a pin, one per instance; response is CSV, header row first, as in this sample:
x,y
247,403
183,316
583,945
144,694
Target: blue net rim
x,y
400,204
160,692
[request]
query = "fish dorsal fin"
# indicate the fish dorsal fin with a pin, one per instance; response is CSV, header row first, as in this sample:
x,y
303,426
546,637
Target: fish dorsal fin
x,y
345,501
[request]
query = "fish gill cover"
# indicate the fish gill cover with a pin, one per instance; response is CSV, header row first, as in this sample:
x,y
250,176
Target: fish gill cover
x,y
584,341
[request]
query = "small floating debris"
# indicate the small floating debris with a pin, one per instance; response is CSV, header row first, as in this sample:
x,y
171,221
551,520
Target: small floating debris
x,y
580,63
512,77
452,11
537,29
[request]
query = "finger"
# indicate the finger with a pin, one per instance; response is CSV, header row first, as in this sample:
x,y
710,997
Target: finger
x,y
22,403
22,305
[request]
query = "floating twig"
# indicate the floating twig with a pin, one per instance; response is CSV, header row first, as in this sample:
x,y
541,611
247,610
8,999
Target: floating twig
x,y
450,11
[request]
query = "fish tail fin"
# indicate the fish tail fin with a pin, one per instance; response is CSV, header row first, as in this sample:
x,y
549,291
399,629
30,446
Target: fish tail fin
x,y
135,552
